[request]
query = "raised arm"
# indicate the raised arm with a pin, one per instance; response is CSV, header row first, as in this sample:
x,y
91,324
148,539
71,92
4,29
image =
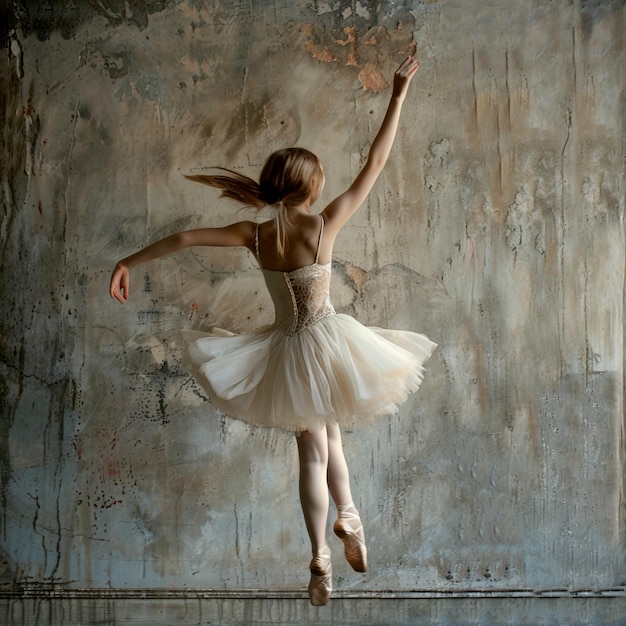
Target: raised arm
x,y
239,234
337,213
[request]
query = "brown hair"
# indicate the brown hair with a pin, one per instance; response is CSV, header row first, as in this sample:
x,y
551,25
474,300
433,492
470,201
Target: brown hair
x,y
289,178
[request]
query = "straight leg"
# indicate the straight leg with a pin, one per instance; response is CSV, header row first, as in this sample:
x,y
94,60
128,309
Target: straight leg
x,y
313,456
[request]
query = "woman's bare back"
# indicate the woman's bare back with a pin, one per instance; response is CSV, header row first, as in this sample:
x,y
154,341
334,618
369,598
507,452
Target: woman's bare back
x,y
303,235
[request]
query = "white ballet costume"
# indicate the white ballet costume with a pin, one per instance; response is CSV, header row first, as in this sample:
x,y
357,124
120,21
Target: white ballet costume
x,y
313,366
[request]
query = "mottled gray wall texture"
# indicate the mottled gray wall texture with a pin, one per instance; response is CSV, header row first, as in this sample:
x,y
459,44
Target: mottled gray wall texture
x,y
496,229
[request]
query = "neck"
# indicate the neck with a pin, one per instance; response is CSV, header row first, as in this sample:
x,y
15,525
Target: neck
x,y
301,209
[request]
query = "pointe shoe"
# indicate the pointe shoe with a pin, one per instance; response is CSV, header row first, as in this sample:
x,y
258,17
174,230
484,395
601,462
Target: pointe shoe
x,y
321,584
350,530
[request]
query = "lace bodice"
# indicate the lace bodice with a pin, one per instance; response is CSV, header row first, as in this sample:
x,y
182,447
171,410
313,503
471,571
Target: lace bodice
x,y
301,297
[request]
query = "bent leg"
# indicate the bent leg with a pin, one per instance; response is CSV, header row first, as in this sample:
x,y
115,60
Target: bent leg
x,y
338,475
348,526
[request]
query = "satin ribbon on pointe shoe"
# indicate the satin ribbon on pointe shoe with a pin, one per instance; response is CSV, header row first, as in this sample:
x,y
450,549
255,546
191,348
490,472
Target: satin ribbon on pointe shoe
x,y
350,530
321,584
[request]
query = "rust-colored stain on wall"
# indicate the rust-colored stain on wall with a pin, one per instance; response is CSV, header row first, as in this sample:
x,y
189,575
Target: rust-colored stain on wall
x,y
496,229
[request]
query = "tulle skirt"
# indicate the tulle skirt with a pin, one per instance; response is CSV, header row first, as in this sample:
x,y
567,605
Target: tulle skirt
x,y
336,371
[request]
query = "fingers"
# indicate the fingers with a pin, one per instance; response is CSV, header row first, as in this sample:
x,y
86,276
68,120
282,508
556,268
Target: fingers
x,y
118,293
408,67
125,285
119,288
119,297
403,76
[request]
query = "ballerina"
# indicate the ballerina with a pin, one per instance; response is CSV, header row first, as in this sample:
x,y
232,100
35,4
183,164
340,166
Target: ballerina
x,y
313,370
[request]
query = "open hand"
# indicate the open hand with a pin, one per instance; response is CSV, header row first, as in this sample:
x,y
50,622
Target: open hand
x,y
120,283
403,75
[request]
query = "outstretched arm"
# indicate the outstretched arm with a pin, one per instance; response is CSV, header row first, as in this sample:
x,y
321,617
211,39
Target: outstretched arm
x,y
239,234
337,213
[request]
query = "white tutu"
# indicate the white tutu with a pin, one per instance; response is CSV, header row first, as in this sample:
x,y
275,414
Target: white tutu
x,y
333,371
312,367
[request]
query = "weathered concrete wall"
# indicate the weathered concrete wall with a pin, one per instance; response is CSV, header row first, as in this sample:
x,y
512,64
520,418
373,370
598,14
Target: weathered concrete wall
x,y
497,229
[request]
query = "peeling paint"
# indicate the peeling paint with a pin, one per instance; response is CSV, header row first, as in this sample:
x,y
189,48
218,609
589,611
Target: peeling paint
x,y
362,46
372,79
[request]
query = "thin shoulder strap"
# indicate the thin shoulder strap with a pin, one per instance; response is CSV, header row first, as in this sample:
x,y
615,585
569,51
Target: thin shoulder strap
x,y
319,241
256,243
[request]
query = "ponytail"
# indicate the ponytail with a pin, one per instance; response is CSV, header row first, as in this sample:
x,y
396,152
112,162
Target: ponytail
x,y
289,178
236,186
282,218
